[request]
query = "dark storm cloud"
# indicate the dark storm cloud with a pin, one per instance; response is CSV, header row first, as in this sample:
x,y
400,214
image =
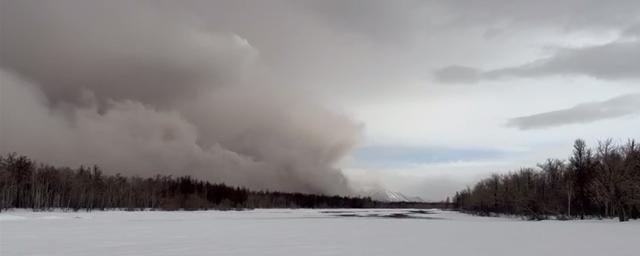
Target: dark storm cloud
x,y
624,105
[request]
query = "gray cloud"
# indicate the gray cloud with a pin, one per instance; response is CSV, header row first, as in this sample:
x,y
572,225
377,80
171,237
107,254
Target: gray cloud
x,y
632,32
624,105
399,20
567,14
378,20
458,74
617,60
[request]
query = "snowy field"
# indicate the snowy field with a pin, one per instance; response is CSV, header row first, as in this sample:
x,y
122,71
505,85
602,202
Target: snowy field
x,y
307,232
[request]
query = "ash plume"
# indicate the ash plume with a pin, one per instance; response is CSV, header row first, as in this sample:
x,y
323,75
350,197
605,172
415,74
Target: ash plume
x,y
142,90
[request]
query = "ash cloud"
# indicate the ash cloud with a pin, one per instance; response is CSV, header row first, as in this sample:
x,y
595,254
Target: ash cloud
x,y
138,89
123,50
624,105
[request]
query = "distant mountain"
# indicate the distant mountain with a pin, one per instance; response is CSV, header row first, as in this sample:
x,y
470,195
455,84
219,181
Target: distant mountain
x,y
391,196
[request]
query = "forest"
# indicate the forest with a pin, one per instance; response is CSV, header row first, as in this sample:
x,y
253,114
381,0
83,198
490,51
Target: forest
x,y
27,184
599,182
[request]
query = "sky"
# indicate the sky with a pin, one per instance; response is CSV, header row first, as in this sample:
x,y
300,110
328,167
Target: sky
x,y
346,97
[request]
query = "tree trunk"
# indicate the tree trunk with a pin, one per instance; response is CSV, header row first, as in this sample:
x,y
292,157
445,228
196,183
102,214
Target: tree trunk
x,y
569,204
622,215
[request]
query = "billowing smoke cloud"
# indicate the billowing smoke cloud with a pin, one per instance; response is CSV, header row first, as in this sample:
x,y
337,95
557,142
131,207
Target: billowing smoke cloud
x,y
143,91
118,51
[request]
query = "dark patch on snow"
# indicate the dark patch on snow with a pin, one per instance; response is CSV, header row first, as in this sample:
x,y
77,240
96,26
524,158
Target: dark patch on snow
x,y
398,215
420,211
347,215
337,212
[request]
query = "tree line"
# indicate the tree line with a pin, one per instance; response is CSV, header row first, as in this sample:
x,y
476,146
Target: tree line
x,y
27,184
595,182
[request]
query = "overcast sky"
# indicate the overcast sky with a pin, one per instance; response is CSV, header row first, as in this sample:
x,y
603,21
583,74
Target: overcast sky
x,y
419,97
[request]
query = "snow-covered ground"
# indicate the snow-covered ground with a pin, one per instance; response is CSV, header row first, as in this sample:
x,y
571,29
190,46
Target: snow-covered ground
x,y
307,232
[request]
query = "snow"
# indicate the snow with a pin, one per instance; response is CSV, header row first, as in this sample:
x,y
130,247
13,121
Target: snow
x,y
397,197
307,232
6,217
392,196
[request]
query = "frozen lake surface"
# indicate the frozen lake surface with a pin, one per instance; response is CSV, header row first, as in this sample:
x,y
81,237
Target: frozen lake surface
x,y
307,232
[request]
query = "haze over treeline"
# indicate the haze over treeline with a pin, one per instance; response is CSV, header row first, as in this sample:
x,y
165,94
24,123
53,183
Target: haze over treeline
x,y
28,184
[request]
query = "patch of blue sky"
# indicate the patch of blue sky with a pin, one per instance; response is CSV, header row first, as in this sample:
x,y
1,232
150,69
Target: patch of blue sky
x,y
415,155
